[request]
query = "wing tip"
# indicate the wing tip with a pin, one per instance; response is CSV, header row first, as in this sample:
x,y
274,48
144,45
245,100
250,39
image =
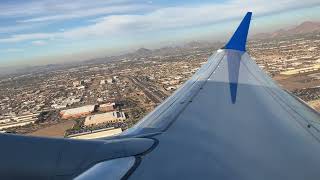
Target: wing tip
x,y
239,39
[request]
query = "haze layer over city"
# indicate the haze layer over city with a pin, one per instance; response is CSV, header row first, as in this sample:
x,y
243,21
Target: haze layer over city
x,y
66,72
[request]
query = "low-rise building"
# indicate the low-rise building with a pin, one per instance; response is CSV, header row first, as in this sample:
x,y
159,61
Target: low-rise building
x,y
77,112
18,121
107,107
101,133
114,116
301,70
110,81
16,124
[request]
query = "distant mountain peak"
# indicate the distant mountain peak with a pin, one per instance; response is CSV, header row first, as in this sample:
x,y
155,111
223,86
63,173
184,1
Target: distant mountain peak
x,y
143,50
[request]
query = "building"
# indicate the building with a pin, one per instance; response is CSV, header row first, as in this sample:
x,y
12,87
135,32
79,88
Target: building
x,y
108,117
16,124
77,112
102,82
18,121
302,70
107,107
110,81
76,83
171,88
4,121
101,133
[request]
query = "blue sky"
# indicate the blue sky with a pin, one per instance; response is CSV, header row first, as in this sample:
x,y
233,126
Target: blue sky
x,y
54,31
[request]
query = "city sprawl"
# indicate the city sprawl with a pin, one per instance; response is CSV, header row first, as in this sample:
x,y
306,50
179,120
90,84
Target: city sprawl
x,y
111,94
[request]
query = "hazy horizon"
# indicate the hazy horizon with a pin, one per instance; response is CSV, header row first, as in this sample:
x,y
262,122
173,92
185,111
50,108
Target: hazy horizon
x,y
83,31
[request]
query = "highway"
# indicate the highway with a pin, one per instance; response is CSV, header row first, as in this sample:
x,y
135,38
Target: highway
x,y
152,88
152,93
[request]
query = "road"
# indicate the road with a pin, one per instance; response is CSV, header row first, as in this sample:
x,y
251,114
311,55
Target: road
x,y
151,92
155,90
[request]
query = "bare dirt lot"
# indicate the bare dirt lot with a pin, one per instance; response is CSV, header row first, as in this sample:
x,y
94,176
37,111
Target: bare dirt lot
x,y
300,81
56,130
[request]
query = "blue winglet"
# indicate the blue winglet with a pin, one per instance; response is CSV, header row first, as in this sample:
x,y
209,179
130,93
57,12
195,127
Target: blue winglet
x,y
239,38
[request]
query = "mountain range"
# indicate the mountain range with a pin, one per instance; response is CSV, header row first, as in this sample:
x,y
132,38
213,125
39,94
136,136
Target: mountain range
x,y
303,28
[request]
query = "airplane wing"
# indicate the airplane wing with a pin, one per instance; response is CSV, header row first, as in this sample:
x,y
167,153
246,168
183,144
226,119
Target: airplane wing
x,y
229,121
